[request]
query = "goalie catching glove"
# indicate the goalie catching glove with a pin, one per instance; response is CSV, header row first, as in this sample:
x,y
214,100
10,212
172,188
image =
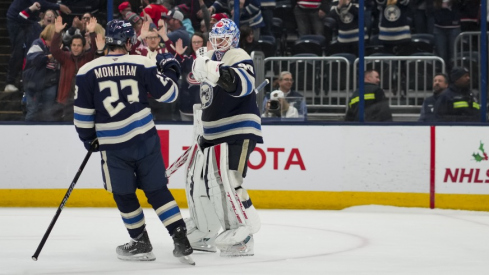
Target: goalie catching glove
x,y
205,69
167,62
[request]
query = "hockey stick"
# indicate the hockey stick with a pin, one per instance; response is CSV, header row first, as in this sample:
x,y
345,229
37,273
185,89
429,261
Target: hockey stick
x,y
183,158
262,85
178,163
63,202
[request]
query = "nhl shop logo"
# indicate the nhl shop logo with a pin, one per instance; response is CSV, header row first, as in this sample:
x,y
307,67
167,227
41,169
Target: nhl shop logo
x,y
480,155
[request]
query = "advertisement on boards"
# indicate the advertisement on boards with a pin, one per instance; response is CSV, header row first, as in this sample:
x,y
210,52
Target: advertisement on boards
x,y
296,158
462,160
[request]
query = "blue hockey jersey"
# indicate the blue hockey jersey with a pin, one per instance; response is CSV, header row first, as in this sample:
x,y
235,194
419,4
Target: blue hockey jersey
x,y
111,99
233,116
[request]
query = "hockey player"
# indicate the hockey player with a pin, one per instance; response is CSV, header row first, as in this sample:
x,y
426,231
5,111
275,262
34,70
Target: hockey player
x,y
218,161
111,111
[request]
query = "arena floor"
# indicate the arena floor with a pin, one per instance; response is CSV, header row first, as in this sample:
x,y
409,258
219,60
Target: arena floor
x,y
358,240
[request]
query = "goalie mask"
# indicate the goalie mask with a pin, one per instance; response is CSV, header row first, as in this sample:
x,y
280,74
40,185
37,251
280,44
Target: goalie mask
x,y
224,36
118,32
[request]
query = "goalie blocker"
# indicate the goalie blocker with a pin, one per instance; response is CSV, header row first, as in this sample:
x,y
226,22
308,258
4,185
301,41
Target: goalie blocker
x,y
216,199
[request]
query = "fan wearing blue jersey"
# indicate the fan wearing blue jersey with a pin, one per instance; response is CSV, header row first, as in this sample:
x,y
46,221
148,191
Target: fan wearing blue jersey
x,y
111,110
231,127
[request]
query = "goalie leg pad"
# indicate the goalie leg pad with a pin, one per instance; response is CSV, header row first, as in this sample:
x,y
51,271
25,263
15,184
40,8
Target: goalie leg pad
x,y
222,195
203,224
253,221
237,238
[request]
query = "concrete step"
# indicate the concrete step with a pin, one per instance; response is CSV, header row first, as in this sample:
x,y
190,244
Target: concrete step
x,y
4,58
10,102
3,29
15,96
12,116
4,40
5,49
4,5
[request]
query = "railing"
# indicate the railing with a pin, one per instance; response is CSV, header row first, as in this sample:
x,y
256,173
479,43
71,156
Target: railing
x,y
321,80
327,82
467,54
406,80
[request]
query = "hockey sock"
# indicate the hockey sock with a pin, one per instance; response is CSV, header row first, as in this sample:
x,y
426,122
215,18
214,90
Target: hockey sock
x,y
166,208
132,213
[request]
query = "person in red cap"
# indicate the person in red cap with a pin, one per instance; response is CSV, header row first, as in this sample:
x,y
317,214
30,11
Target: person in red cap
x,y
213,20
124,8
153,10
218,16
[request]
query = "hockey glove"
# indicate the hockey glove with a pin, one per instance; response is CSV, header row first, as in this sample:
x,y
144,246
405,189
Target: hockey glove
x,y
91,144
205,69
167,61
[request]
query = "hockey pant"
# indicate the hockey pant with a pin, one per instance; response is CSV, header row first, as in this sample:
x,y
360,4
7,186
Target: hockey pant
x,y
215,196
128,169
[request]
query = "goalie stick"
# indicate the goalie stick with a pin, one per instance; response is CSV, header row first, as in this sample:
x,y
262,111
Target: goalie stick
x,y
183,158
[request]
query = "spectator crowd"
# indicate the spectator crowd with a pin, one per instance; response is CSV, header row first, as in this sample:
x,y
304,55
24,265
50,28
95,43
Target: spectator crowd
x,y
49,44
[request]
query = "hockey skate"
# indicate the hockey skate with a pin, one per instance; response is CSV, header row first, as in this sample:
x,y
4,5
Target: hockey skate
x,y
138,249
204,245
183,249
244,248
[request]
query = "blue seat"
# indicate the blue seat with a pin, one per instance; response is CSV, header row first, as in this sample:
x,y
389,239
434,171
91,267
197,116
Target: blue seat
x,y
420,42
335,72
310,44
284,10
280,34
330,28
420,74
304,73
267,44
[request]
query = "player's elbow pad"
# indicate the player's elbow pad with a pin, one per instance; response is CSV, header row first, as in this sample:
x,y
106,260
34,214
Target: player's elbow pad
x,y
227,79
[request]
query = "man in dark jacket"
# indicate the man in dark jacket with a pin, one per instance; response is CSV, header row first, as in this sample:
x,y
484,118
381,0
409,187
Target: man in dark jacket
x,y
70,63
21,15
376,104
440,83
457,102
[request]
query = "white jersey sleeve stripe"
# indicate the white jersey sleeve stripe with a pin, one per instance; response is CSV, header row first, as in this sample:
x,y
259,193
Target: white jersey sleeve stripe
x,y
246,82
84,111
84,118
171,95
84,124
235,125
123,123
128,135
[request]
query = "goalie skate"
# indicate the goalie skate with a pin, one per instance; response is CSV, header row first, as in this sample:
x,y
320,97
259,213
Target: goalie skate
x,y
139,249
244,248
182,246
204,246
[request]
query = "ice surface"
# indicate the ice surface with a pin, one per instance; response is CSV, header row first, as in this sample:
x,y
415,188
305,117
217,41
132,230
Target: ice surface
x,y
357,240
